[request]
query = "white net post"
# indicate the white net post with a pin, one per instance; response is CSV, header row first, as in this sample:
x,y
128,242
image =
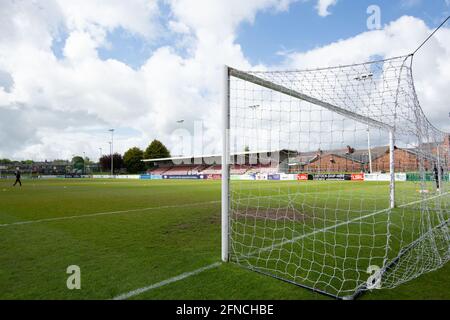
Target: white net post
x,y
439,165
225,162
392,168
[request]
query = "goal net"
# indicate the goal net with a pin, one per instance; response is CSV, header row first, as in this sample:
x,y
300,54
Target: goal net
x,y
334,179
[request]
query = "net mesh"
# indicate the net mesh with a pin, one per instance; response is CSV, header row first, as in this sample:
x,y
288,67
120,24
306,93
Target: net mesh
x,y
312,202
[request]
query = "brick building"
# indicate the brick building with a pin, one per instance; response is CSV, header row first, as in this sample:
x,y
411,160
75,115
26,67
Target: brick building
x,y
405,160
333,163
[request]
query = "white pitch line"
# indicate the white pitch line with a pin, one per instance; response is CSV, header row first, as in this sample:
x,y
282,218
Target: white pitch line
x,y
117,212
182,276
126,211
423,200
180,206
107,213
339,225
97,214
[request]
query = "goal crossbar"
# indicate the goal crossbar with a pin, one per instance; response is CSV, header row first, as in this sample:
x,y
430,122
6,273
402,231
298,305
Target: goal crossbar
x,y
295,94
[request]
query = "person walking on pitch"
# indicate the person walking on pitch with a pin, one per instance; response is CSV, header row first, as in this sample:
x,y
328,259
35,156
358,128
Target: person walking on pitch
x,y
17,178
436,176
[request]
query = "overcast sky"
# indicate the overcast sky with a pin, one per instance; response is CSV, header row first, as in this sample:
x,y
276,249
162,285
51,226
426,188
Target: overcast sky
x,y
72,69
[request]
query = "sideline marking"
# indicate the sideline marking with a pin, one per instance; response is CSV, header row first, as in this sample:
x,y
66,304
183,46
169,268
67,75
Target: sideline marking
x,y
182,276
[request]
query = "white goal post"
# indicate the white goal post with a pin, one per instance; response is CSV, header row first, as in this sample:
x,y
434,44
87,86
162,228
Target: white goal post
x,y
307,218
225,163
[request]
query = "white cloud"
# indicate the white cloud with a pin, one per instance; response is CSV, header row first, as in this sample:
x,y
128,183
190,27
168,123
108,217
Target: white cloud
x,y
221,18
431,65
138,16
82,93
80,46
178,27
323,6
64,107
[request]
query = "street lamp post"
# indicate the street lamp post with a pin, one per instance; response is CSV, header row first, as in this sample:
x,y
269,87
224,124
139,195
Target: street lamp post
x,y
369,149
84,162
100,159
254,108
112,151
73,163
179,122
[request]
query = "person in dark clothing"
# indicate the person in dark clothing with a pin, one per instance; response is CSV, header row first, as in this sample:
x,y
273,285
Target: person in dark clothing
x,y
436,176
17,178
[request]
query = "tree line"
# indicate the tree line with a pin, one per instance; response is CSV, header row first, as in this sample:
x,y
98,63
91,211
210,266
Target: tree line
x,y
131,161
132,158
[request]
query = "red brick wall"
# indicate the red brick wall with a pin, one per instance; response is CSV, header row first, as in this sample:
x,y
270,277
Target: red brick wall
x,y
404,162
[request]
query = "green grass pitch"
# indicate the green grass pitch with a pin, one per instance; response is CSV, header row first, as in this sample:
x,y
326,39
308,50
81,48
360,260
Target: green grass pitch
x,y
127,234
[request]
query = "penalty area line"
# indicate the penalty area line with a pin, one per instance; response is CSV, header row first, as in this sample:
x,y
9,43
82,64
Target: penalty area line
x,y
182,276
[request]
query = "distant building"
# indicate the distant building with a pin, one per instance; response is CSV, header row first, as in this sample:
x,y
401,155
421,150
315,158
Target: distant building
x,y
54,168
405,160
333,163
424,157
348,160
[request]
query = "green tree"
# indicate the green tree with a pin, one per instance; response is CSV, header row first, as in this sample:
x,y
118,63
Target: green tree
x,y
156,150
78,163
105,162
132,159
